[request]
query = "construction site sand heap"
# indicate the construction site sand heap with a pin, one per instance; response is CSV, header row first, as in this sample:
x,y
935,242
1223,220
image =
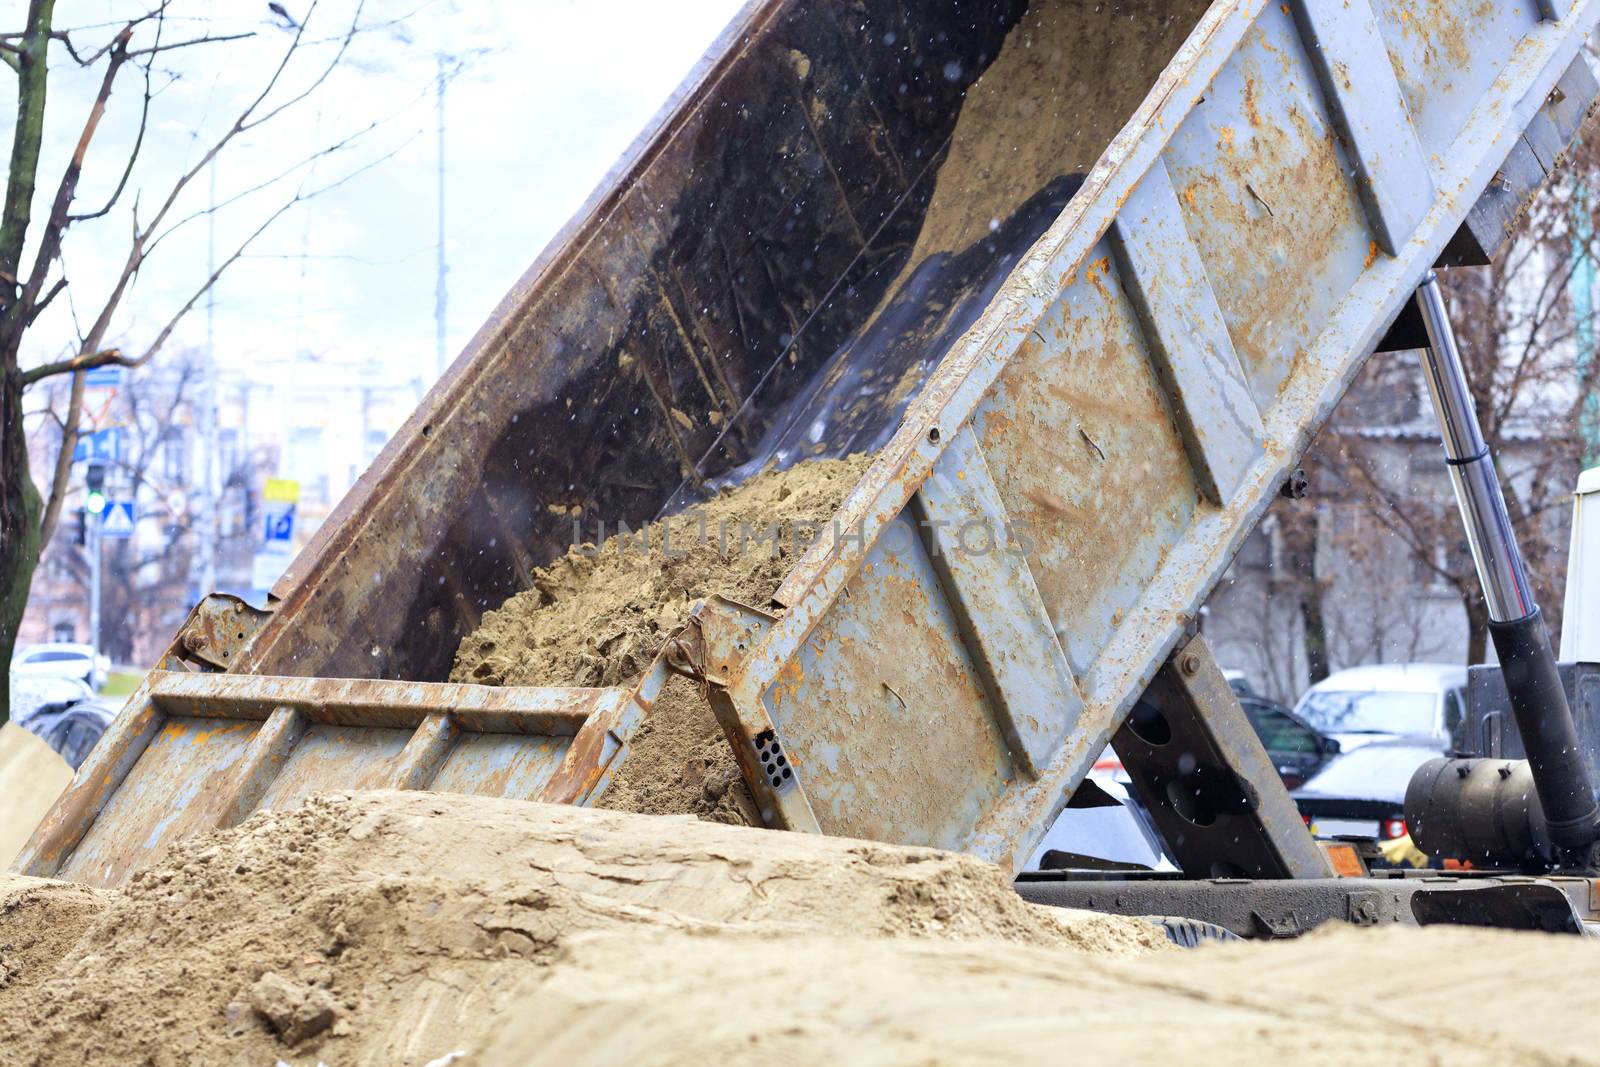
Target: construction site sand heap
x,y
416,928
390,928
598,615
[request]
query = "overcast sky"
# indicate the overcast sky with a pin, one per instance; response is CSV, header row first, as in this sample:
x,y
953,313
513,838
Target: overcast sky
x,y
549,93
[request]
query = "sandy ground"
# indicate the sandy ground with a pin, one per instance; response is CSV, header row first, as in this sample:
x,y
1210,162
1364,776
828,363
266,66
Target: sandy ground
x,y
392,928
399,928
1356,997
31,777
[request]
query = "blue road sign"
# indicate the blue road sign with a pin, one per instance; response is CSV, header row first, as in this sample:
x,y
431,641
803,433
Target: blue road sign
x,y
103,377
279,527
118,521
101,445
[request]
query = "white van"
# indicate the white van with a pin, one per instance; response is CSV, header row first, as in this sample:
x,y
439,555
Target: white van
x,y
1360,705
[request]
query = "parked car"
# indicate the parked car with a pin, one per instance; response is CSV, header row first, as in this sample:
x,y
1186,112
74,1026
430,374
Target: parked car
x,y
1297,749
63,711
1240,682
1362,793
1362,705
62,660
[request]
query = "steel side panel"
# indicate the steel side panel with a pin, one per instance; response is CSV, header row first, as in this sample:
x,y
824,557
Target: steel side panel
x,y
175,790
884,715
1305,294
1167,284
1267,194
1446,54
332,758
1087,459
1358,80
501,765
1004,623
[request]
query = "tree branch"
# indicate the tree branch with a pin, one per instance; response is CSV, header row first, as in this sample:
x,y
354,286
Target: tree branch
x,y
111,357
63,468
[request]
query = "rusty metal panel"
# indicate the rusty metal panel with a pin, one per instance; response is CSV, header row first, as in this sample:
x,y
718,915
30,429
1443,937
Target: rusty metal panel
x,y
1359,84
502,765
1267,189
885,703
195,752
1183,327
1305,294
1004,625
1086,455
1446,55
333,758
171,793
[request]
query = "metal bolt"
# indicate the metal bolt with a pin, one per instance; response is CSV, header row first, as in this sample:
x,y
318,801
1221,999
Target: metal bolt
x,y
1189,664
194,640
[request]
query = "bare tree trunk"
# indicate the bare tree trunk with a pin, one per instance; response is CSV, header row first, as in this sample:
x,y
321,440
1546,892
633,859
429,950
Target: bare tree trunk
x,y
1316,631
1477,626
19,523
1300,548
19,498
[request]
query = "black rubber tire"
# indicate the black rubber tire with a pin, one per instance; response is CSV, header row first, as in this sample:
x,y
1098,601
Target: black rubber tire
x,y
1192,933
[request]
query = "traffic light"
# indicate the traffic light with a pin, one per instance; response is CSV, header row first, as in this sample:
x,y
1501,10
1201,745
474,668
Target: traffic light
x,y
95,479
82,537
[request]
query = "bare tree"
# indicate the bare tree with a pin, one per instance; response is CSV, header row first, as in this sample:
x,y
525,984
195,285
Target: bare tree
x,y
1531,379
130,53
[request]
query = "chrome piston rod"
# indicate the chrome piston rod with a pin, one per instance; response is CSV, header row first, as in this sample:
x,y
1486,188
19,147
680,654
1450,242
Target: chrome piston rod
x,y
1566,800
1506,591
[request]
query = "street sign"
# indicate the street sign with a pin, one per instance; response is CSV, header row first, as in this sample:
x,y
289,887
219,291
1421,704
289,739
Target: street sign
x,y
103,377
102,445
279,525
280,496
119,519
283,489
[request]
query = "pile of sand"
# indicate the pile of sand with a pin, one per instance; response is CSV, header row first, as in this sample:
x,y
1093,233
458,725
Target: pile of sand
x,y
1068,77
32,775
598,615
399,927
1340,997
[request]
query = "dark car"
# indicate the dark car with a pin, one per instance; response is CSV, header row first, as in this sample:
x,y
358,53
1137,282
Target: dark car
x,y
63,711
1297,750
1362,793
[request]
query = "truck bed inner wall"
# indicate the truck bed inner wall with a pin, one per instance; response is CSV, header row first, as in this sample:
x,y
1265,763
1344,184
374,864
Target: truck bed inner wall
x,y
741,292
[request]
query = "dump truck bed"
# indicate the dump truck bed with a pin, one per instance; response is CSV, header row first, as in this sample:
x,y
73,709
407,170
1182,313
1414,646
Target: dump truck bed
x,y
1082,381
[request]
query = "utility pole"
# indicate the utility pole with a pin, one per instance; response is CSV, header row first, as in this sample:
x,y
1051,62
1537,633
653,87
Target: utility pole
x,y
95,542
440,298
206,526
